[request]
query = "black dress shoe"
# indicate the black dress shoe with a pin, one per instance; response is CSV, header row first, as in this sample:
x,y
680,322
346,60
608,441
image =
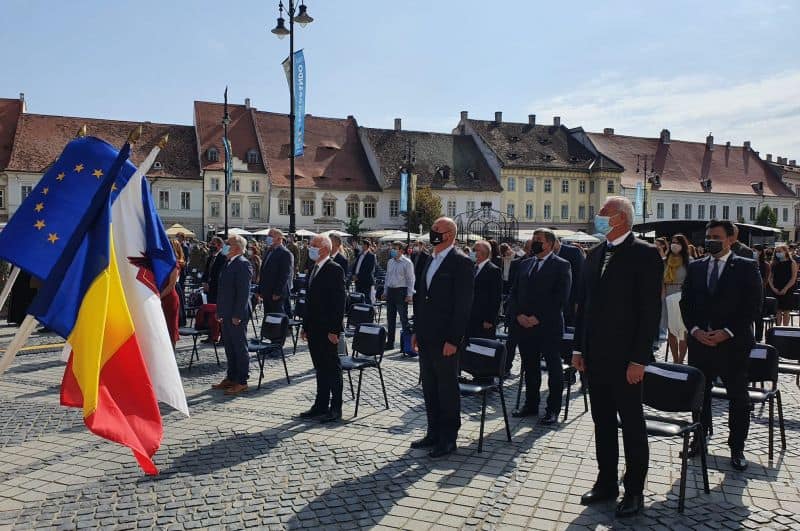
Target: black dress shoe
x,y
737,460
425,442
313,412
548,419
525,411
630,505
441,450
333,416
600,494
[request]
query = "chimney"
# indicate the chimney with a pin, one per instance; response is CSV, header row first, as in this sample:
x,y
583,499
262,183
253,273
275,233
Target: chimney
x,y
728,145
398,124
793,162
247,103
747,145
556,121
464,115
498,117
780,160
710,143
608,131
22,102
665,138
531,120
769,157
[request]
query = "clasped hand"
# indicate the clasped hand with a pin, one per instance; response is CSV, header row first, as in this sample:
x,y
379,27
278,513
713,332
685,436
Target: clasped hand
x,y
712,338
527,321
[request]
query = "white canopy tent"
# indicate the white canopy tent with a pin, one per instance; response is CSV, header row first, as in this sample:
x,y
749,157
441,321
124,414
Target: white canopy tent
x,y
235,231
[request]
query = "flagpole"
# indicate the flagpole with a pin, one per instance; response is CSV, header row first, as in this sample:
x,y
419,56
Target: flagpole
x,y
9,284
225,120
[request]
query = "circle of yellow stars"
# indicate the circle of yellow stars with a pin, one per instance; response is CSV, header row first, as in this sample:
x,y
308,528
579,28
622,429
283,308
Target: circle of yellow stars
x,y
40,224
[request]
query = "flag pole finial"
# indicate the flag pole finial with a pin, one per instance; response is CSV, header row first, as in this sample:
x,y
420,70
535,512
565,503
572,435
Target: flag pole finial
x,y
162,143
134,135
81,132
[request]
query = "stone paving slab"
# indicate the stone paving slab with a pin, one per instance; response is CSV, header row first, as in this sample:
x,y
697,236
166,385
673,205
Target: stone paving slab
x,y
249,462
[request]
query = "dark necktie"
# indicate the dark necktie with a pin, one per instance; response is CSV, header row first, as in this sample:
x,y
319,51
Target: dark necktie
x,y
475,272
313,274
714,278
607,258
534,268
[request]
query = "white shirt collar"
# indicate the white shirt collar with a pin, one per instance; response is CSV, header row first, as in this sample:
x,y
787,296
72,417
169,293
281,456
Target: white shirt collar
x,y
542,260
722,259
618,241
443,254
481,264
321,263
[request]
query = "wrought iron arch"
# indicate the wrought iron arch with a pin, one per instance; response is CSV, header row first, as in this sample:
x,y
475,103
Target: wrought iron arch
x,y
488,224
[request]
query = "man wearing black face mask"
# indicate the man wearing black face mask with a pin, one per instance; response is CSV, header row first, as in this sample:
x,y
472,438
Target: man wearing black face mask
x,y
442,305
214,266
721,297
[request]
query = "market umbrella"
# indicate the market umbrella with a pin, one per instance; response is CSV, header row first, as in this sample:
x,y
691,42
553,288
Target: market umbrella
x,y
581,237
305,233
340,233
178,228
235,232
262,232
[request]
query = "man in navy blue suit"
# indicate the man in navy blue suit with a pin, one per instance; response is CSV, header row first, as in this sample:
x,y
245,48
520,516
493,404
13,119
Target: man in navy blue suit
x,y
277,267
364,271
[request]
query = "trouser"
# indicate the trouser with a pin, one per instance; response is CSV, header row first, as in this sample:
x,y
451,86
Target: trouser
x,y
206,318
181,300
441,392
531,352
235,340
610,395
366,289
275,306
396,303
328,369
731,366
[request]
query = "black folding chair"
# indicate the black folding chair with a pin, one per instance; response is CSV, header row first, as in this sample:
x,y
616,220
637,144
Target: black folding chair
x,y
359,314
274,329
354,297
485,361
763,367
195,334
296,322
786,341
795,311
673,388
768,312
368,344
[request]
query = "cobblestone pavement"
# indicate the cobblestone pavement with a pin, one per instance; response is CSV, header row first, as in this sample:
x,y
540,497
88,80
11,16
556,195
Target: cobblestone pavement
x,y
248,462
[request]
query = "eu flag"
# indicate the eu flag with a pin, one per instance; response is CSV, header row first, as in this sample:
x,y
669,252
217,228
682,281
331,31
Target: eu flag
x,y
52,219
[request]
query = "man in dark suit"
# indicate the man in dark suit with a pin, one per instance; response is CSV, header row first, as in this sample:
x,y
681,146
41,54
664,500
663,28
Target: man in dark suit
x,y
234,312
619,310
442,304
214,265
575,257
276,274
738,248
536,304
513,269
364,271
721,298
337,255
486,295
321,328
419,258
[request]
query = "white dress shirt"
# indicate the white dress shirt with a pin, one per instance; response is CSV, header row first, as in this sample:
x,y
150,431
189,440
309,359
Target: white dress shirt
x,y
539,262
317,267
436,261
358,263
399,274
618,241
479,267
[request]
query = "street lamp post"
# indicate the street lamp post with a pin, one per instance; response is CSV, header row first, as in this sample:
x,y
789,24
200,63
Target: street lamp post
x,y
280,30
652,178
226,119
409,158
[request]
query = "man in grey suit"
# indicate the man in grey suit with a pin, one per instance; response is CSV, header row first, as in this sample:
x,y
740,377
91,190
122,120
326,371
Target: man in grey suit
x,y
233,312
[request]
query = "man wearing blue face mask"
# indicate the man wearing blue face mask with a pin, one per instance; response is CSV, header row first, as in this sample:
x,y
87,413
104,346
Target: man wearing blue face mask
x,y
276,274
398,290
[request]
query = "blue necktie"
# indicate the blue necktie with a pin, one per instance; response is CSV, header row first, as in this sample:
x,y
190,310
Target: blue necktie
x,y
714,278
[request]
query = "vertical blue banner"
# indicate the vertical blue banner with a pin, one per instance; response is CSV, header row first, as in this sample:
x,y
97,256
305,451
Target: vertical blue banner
x,y
229,160
404,191
639,200
298,79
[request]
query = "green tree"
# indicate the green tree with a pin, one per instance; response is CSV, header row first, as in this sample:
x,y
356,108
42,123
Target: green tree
x,y
428,207
767,217
354,226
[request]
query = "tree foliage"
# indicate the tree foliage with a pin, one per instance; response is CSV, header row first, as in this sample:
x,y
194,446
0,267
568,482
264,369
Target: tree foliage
x,y
354,226
767,217
427,209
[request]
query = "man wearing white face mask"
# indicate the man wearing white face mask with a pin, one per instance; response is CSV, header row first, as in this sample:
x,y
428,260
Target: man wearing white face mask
x,y
276,274
398,290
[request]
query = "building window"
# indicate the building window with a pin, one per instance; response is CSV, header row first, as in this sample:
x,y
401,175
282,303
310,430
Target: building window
x,y
214,184
701,212
591,187
512,184
739,213
234,185
307,207
712,211
255,209
283,207
797,189
370,210
352,209
252,156
329,208
186,200
394,208
610,187
255,186
752,213
451,207
2,198
582,187
564,187
591,211
529,184
564,211
785,216
548,186
581,211
687,211
236,209
726,212
529,210
214,209
163,199
547,211
470,206
675,208
510,209
660,210
212,154
26,191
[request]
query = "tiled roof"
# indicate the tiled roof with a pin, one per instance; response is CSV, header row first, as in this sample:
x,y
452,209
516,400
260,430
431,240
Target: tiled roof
x,y
9,114
521,145
241,131
41,138
682,165
334,158
440,160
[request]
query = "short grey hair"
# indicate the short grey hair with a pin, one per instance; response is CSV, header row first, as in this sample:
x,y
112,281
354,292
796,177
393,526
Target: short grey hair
x,y
335,238
240,241
277,232
624,205
549,235
325,241
486,246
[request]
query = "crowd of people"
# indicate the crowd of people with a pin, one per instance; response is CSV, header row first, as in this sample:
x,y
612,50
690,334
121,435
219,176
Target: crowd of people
x,y
621,297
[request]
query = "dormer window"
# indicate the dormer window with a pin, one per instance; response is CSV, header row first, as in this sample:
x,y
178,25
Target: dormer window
x,y
514,139
212,154
252,156
443,172
472,174
157,165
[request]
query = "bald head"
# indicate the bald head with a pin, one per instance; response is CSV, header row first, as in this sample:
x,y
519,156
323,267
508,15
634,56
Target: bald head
x,y
447,228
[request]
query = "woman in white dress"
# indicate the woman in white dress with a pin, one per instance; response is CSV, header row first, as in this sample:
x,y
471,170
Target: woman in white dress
x,y
675,266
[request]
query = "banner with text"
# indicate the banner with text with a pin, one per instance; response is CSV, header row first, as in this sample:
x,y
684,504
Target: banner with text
x,y
299,82
403,191
639,200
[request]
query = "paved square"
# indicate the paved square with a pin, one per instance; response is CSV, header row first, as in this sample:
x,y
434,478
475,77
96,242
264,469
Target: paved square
x,y
247,462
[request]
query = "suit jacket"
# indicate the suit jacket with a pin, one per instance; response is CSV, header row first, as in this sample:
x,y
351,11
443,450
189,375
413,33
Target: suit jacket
x,y
234,288
325,299
735,304
342,261
619,313
214,266
488,290
575,257
442,310
420,261
276,273
543,294
366,273
740,249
